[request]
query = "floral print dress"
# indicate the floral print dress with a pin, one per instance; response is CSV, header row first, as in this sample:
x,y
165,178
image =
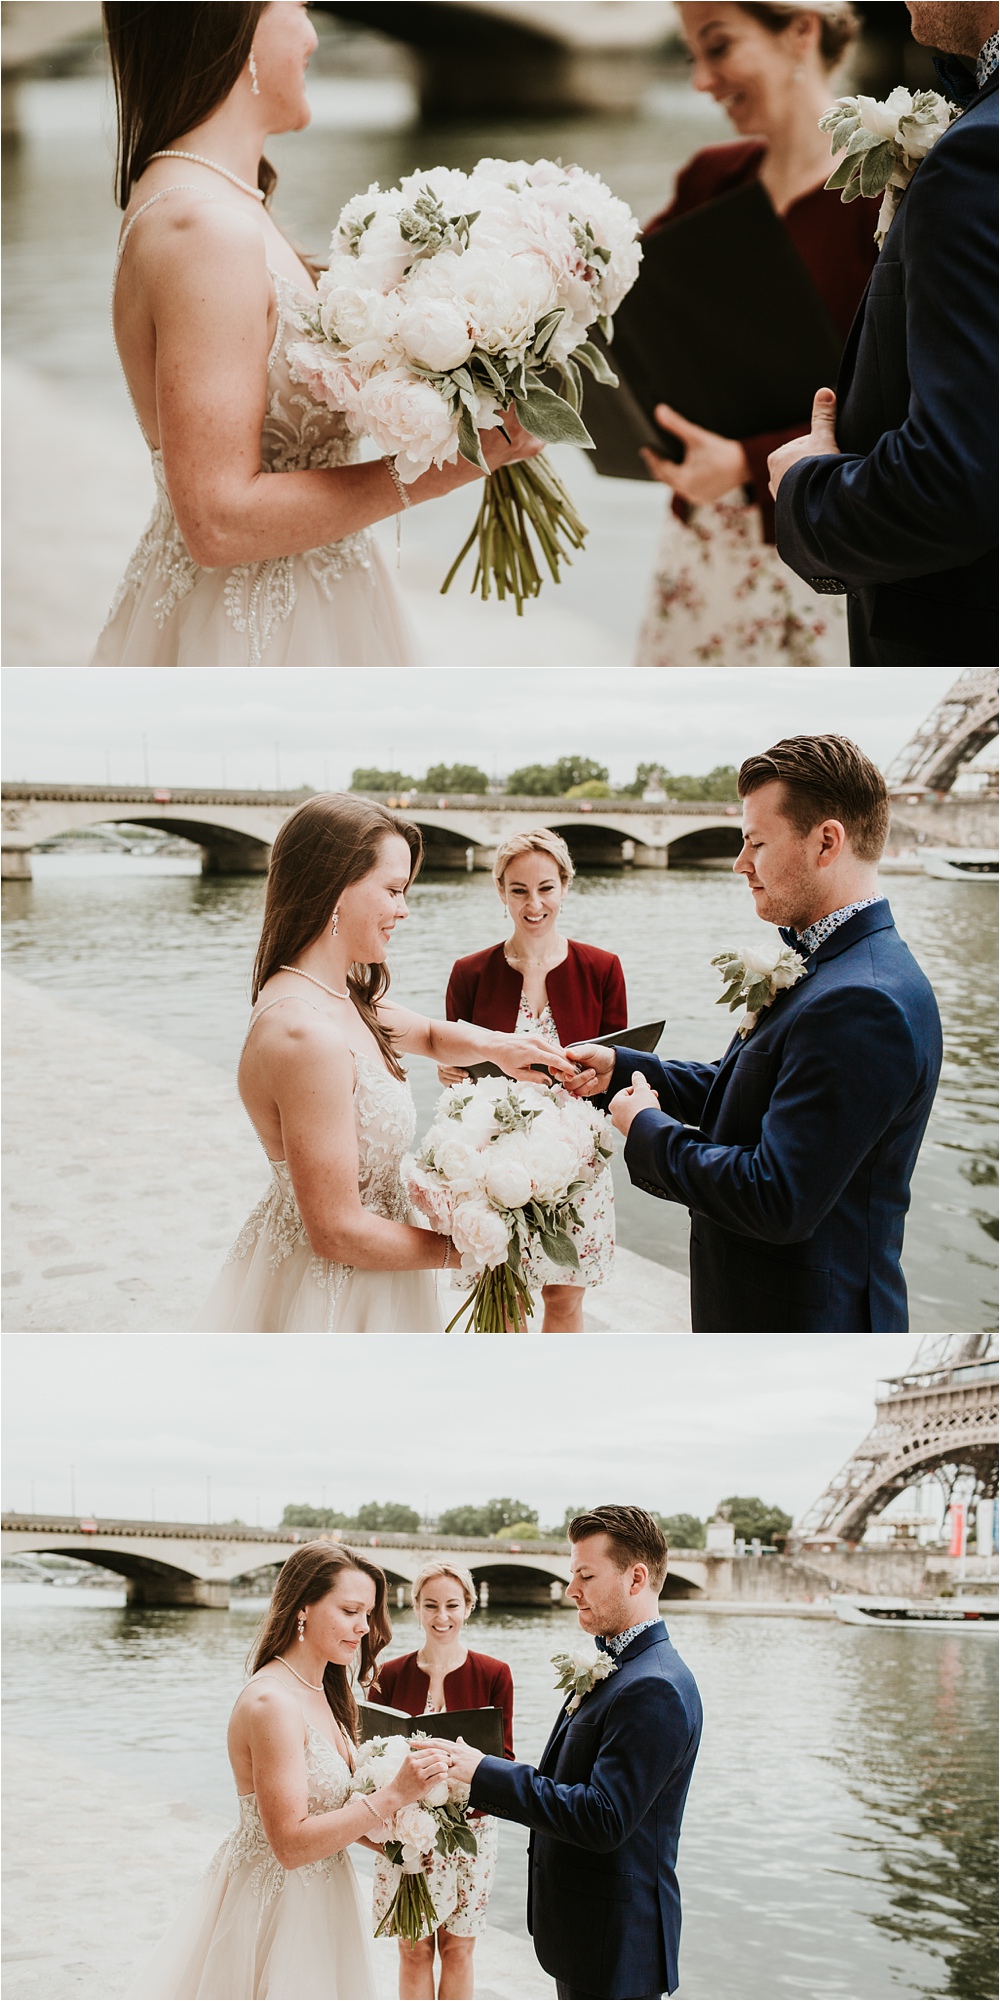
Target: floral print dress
x,y
595,1238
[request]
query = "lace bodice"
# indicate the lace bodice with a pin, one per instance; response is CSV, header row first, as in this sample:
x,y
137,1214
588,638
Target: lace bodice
x,y
385,1120
297,434
329,1779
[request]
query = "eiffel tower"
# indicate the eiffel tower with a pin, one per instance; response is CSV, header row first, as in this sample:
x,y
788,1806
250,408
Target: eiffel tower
x,y
961,726
940,1417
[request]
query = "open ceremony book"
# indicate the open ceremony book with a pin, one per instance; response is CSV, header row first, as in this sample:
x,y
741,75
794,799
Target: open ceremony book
x,y
723,323
644,1038
482,1728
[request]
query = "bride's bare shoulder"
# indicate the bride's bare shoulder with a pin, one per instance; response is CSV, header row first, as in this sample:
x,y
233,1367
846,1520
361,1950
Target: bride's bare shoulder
x,y
265,1700
190,232
289,1030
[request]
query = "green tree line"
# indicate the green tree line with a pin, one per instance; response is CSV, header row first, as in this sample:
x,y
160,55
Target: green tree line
x,y
567,778
515,1520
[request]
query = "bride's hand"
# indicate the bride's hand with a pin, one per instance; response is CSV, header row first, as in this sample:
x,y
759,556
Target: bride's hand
x,y
518,444
424,1767
517,1054
448,1074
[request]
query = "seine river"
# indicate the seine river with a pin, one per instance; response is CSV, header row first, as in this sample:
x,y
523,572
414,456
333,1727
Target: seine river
x,y
170,955
840,1833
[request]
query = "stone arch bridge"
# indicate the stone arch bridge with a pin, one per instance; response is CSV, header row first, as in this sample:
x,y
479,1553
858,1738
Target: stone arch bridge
x,y
235,829
194,1564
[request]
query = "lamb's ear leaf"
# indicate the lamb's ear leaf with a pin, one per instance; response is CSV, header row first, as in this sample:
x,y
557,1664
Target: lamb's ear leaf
x,y
598,364
852,191
549,417
842,174
864,141
876,168
468,440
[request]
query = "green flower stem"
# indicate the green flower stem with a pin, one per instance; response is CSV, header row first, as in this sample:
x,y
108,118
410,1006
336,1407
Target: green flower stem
x,y
527,496
411,1915
500,1304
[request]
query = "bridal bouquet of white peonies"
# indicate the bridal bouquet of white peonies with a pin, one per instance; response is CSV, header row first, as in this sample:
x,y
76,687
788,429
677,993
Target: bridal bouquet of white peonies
x,y
445,299
883,143
498,1171
436,1823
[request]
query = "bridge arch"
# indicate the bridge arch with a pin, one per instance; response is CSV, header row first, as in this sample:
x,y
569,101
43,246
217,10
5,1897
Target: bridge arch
x,y
718,841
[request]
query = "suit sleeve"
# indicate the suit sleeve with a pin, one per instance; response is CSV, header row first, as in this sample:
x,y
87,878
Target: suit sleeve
x,y
614,1006
840,1085
502,1698
682,1088
924,498
643,1742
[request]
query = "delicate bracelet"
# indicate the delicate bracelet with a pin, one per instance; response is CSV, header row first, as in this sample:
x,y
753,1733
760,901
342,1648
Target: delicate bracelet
x,y
390,465
447,1248
367,1801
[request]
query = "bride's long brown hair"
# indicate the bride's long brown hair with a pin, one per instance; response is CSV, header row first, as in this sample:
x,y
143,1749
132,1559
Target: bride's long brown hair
x,y
308,1574
173,65
331,842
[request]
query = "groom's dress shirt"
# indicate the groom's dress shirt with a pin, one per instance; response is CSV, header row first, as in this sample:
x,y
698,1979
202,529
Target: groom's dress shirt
x,y
905,518
616,1643
808,941
604,1806
794,1152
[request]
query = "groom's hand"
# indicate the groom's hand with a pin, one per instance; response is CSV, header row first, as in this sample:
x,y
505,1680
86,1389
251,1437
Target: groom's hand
x,y
820,444
596,1063
627,1105
463,1761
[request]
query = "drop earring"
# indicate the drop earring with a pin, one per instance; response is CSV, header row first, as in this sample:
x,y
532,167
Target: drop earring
x,y
302,1625
333,927
254,85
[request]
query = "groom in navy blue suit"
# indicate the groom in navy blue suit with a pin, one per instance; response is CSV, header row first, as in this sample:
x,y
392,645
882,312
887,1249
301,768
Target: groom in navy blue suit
x,y
604,1803
894,499
794,1152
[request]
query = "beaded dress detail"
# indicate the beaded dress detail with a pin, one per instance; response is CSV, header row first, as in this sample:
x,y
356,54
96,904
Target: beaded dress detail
x,y
330,606
273,1281
254,1928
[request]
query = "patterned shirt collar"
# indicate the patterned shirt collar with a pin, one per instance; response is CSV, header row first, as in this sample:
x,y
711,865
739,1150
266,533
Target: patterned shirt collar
x,y
809,941
619,1641
986,61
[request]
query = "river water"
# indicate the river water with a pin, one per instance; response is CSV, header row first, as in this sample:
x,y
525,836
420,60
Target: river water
x,y
170,955
840,1834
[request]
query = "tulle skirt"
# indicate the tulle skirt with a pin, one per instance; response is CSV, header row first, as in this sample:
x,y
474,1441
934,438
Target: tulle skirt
x,y
233,1941
305,1294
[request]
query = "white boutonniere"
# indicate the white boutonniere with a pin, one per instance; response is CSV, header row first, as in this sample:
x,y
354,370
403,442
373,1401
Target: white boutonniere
x,y
751,978
883,144
579,1672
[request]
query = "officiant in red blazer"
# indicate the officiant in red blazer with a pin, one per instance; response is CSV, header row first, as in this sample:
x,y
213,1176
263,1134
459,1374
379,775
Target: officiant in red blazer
x,y
539,982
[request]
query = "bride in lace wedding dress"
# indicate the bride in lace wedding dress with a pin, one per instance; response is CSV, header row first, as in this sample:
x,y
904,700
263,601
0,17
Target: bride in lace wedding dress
x,y
333,1247
258,550
279,1912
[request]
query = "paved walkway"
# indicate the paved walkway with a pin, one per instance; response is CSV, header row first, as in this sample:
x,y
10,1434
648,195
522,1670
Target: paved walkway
x,y
130,1169
94,1871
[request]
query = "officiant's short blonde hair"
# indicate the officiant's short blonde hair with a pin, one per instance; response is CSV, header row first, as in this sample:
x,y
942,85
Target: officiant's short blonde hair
x,y
455,1571
839,25
540,841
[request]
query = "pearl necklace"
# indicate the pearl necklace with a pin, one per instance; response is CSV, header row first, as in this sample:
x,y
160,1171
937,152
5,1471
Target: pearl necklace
x,y
281,1662
177,153
326,990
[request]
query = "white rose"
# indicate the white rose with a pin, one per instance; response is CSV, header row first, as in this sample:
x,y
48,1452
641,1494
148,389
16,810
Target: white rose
x,y
407,416
508,1180
884,118
479,1235
434,333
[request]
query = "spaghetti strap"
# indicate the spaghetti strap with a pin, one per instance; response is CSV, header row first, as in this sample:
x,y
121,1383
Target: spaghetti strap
x,y
177,187
276,1002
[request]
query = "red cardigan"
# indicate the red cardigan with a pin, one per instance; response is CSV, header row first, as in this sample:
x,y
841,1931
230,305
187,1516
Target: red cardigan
x,y
586,993
835,240
480,1683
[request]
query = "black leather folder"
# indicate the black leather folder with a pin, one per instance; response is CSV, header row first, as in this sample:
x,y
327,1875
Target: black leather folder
x,y
723,323
482,1728
644,1038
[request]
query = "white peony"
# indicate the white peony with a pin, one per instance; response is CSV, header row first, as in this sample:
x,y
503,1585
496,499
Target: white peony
x,y
434,333
883,117
508,1179
417,1830
357,315
429,1195
406,416
553,1167
479,1235
461,1164
329,377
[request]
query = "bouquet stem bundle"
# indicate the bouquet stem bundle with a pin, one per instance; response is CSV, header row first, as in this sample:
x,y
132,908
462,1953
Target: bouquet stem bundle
x,y
500,1304
517,496
411,1915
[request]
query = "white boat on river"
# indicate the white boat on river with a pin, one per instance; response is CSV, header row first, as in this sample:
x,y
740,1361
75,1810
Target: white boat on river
x,y
962,864
926,1615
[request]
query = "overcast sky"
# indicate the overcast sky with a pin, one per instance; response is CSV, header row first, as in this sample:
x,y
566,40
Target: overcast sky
x,y
313,726
673,1422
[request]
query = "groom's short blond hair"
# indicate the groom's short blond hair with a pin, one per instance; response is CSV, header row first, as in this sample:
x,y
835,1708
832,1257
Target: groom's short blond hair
x,y
825,778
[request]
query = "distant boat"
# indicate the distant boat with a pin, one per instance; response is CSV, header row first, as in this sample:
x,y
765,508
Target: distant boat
x,y
962,864
933,1615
